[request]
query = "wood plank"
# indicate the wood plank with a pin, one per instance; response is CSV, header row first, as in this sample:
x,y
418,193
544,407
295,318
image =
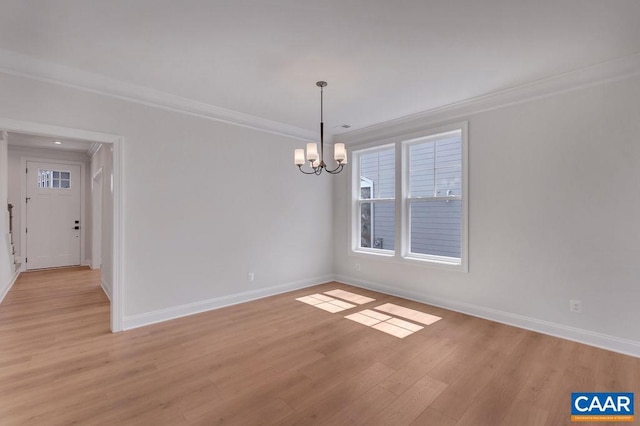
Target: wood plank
x,y
408,406
323,405
363,408
431,417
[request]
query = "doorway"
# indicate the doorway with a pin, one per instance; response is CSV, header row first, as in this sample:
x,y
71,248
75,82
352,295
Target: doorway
x,y
112,258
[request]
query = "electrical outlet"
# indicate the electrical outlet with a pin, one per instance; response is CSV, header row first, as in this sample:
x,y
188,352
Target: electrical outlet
x,y
357,266
251,276
575,306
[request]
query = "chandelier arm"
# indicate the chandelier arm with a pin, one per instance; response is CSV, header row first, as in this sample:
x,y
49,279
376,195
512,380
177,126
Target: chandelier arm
x,y
336,170
313,172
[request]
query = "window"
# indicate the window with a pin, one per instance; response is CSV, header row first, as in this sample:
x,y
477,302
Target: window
x,y
54,179
376,199
431,219
434,197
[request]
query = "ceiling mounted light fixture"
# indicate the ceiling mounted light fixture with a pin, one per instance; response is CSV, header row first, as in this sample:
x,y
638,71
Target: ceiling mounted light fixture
x,y
316,162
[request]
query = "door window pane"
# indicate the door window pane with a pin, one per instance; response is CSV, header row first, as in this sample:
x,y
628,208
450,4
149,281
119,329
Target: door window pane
x,y
54,179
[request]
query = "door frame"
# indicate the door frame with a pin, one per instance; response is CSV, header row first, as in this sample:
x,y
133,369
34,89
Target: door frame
x,y
116,141
23,204
96,225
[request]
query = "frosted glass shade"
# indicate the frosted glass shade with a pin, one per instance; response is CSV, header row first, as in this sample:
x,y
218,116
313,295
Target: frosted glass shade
x,y
298,157
312,151
339,152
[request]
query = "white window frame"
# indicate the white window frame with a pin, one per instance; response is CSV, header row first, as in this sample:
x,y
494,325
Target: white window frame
x,y
402,253
357,202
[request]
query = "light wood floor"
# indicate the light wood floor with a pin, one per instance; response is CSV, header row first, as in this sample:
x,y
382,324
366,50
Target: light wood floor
x,y
282,362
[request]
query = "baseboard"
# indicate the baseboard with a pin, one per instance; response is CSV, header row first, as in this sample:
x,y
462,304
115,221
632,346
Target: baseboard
x,y
104,288
4,292
603,341
141,320
86,262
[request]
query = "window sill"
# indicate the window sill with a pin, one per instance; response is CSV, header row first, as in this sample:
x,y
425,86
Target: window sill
x,y
392,257
374,252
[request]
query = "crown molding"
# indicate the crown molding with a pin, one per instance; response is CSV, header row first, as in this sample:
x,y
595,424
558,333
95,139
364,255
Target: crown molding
x,y
20,65
93,149
617,69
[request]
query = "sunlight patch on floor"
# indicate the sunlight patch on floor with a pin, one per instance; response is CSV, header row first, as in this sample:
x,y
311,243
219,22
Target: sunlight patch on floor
x,y
325,303
380,321
363,319
410,314
390,325
351,297
393,330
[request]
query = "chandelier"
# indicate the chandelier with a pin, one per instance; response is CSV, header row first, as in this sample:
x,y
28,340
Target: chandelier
x,y
316,162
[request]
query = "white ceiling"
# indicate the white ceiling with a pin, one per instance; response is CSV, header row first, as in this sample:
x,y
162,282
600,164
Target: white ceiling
x,y
382,59
45,142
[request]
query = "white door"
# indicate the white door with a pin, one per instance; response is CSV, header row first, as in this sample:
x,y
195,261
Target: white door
x,y
53,215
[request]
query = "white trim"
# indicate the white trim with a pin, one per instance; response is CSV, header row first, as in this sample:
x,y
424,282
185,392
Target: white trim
x,y
117,283
104,288
20,65
617,69
97,175
148,318
587,337
18,126
96,243
12,281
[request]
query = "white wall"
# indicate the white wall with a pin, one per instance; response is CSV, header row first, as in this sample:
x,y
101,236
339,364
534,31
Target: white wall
x,y
553,215
204,202
6,264
17,174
